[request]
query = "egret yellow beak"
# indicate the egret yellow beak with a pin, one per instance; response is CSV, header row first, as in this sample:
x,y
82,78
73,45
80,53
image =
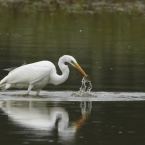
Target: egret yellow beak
x,y
79,68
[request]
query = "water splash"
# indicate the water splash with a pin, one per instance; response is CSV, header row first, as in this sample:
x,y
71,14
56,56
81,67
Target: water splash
x,y
85,89
86,86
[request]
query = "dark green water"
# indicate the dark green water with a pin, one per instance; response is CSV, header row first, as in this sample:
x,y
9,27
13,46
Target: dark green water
x,y
110,47
74,123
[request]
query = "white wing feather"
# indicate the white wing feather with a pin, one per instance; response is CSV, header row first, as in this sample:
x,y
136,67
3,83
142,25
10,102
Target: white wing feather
x,y
30,73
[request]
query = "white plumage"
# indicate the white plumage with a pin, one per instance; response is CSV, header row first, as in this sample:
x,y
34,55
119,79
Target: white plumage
x,y
37,75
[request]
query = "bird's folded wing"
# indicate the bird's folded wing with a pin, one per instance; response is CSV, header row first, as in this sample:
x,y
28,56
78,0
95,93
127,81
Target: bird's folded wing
x,y
39,79
28,74
10,69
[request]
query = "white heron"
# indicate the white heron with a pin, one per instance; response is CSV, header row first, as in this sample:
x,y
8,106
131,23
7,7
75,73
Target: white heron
x,y
37,75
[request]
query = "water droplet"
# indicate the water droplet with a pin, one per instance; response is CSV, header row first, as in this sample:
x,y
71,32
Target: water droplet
x,y
86,86
85,89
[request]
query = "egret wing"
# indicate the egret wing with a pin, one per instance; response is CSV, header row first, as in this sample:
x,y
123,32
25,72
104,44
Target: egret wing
x,y
12,68
9,69
26,74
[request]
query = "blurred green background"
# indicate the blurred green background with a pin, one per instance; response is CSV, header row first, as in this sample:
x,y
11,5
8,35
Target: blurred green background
x,y
107,38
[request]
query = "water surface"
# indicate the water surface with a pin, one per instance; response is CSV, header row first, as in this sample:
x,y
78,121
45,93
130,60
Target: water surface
x,y
75,123
72,96
108,46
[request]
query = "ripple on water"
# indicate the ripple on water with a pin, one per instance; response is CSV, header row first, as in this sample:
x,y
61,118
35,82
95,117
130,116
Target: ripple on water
x,y
72,96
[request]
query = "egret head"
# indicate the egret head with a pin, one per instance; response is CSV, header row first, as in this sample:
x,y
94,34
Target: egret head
x,y
74,63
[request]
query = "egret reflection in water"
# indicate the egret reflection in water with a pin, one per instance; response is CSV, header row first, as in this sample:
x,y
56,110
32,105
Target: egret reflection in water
x,y
37,116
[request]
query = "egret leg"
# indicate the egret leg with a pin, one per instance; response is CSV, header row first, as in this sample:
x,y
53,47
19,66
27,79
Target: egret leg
x,y
29,89
37,92
8,86
2,85
5,86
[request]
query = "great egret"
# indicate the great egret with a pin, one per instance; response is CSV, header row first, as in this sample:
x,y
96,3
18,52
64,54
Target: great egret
x,y
37,75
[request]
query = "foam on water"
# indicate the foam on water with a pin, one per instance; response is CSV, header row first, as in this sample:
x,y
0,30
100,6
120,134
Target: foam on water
x,y
72,96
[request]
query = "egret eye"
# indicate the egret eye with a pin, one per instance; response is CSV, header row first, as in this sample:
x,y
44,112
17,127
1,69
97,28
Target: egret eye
x,y
72,62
